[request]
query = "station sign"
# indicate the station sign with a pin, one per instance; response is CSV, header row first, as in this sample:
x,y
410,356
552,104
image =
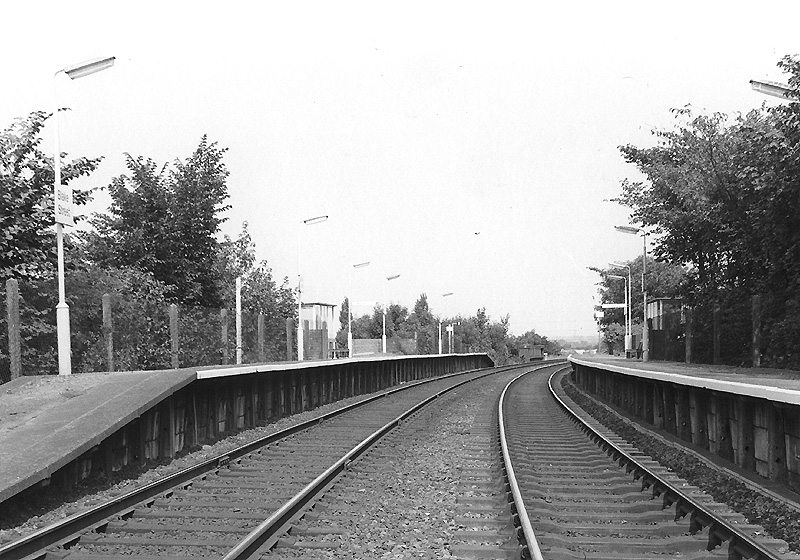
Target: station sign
x,y
63,205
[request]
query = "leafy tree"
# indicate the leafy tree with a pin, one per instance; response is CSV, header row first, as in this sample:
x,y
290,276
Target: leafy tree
x,y
165,222
423,322
614,338
721,194
396,317
341,335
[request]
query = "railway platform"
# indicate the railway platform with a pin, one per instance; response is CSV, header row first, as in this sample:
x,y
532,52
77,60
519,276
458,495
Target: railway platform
x,y
779,378
61,430
748,417
48,421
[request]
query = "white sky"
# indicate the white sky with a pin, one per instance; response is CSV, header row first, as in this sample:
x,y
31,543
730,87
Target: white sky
x,y
413,125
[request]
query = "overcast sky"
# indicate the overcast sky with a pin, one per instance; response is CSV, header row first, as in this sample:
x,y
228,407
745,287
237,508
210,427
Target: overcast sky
x,y
468,148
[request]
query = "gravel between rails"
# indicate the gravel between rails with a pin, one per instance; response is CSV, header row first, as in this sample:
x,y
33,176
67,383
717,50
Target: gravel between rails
x,y
408,498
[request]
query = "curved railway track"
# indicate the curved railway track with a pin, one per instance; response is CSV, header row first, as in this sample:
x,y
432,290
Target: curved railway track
x,y
336,487
597,497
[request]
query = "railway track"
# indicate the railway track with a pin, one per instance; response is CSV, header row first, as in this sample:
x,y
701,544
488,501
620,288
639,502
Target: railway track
x,y
337,488
597,497
237,504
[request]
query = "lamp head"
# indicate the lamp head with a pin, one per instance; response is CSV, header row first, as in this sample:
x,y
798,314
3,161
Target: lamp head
x,y
315,220
628,229
88,67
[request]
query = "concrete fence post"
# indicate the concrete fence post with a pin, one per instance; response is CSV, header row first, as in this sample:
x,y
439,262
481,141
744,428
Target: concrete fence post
x,y
223,321
756,331
173,335
262,350
689,335
289,332
108,332
14,325
716,334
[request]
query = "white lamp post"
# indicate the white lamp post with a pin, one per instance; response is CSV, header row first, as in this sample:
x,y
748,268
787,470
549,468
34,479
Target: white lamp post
x,y
62,196
440,322
308,222
350,312
628,310
645,328
383,337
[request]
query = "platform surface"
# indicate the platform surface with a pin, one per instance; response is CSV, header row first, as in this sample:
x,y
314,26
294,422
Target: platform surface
x,y
782,385
47,421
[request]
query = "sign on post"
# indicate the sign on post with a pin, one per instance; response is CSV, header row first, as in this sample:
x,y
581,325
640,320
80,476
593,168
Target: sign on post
x,y
63,206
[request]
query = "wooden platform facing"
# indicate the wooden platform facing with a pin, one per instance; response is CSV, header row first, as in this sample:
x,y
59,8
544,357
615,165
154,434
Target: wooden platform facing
x,y
747,416
64,429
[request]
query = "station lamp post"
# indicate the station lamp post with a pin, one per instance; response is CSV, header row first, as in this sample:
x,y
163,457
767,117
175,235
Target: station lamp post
x,y
628,309
308,222
383,336
350,311
645,328
62,195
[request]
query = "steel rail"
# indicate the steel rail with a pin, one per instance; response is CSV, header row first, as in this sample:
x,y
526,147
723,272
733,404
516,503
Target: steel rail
x,y
264,536
524,529
69,529
700,517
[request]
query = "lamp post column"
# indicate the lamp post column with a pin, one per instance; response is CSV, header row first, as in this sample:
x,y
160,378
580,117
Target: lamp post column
x,y
62,209
384,306
308,222
349,329
645,326
63,212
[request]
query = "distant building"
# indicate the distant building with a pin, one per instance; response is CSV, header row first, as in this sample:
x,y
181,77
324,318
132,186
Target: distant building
x,y
531,352
319,330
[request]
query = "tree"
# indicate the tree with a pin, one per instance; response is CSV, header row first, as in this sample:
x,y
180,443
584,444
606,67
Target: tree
x,y
344,323
27,245
722,197
165,222
423,321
